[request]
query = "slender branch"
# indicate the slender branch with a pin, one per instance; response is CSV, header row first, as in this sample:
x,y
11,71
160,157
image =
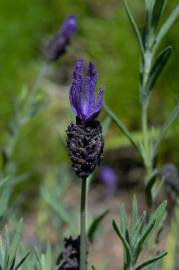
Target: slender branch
x,y
83,217
145,98
37,83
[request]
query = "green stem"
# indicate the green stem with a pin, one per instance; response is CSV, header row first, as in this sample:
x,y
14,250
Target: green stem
x,y
147,145
83,216
38,81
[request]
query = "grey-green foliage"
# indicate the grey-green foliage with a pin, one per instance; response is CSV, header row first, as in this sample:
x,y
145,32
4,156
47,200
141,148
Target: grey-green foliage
x,y
26,106
58,212
9,247
39,260
35,259
45,260
136,234
7,186
151,67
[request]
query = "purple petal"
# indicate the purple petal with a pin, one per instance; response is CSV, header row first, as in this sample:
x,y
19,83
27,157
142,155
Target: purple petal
x,y
90,85
75,100
76,89
69,26
98,106
86,109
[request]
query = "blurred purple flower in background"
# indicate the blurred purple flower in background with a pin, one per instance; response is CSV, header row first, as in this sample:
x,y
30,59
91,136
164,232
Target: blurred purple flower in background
x,y
169,172
88,109
109,178
58,44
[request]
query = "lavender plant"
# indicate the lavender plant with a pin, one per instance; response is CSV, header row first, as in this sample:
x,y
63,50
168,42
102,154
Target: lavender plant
x,y
84,138
85,145
26,106
148,147
150,68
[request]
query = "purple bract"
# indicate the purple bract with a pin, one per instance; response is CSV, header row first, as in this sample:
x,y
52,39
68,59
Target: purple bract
x,y
57,46
86,109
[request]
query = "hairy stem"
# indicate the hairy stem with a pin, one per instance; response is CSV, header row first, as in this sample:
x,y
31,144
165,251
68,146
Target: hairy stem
x,y
83,216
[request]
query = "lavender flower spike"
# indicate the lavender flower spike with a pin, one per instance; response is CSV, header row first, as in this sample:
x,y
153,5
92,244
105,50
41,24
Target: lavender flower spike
x,y
84,138
86,109
57,47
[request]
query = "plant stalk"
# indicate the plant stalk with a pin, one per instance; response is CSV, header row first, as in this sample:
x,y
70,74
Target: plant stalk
x,y
147,145
83,217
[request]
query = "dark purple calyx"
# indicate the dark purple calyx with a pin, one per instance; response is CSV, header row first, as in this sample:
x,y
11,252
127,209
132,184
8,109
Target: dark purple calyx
x,y
85,144
57,46
69,259
84,103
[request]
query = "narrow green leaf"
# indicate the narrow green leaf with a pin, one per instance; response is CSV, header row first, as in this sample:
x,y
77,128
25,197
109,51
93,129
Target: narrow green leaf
x,y
134,214
7,243
166,26
124,241
134,26
138,229
14,246
37,255
121,126
2,252
142,239
172,117
22,261
157,68
157,11
11,266
5,194
159,214
95,225
150,261
149,184
123,220
93,268
157,189
151,180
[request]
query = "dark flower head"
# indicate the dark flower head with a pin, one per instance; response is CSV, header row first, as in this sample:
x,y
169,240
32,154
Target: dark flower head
x,y
57,46
86,109
85,144
69,259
